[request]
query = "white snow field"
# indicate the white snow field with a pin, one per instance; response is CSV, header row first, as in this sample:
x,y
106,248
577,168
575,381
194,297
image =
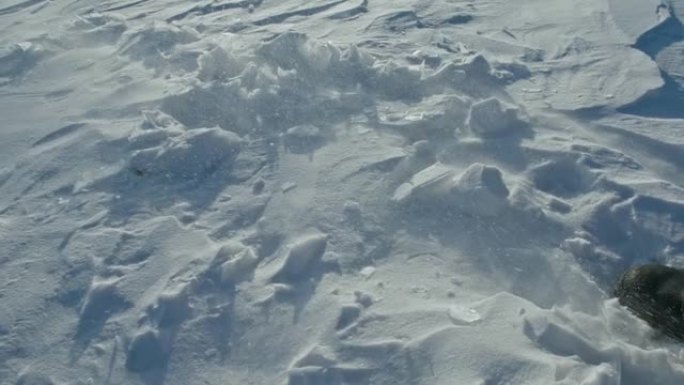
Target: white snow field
x,y
336,192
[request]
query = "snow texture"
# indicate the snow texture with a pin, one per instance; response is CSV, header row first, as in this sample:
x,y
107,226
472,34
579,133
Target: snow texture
x,y
336,192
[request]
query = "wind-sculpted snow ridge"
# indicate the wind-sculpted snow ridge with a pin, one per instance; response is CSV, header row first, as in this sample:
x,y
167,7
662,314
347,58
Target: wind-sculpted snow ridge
x,y
335,192
655,28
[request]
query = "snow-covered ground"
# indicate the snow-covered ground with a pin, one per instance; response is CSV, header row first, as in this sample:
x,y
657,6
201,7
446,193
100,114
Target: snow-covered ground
x,y
330,192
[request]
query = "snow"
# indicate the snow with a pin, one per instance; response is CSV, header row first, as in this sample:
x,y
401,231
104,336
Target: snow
x,y
336,191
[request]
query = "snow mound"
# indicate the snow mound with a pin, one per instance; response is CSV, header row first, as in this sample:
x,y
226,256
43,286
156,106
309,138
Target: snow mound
x,y
490,118
154,45
479,190
18,60
188,156
301,256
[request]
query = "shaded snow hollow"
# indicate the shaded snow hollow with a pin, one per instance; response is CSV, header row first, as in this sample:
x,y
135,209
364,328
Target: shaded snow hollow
x,y
336,192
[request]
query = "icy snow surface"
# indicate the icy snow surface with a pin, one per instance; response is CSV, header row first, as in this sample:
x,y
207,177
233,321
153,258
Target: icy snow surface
x,y
336,192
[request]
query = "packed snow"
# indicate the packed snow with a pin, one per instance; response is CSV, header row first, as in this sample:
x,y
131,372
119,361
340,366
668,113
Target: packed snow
x,y
337,192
